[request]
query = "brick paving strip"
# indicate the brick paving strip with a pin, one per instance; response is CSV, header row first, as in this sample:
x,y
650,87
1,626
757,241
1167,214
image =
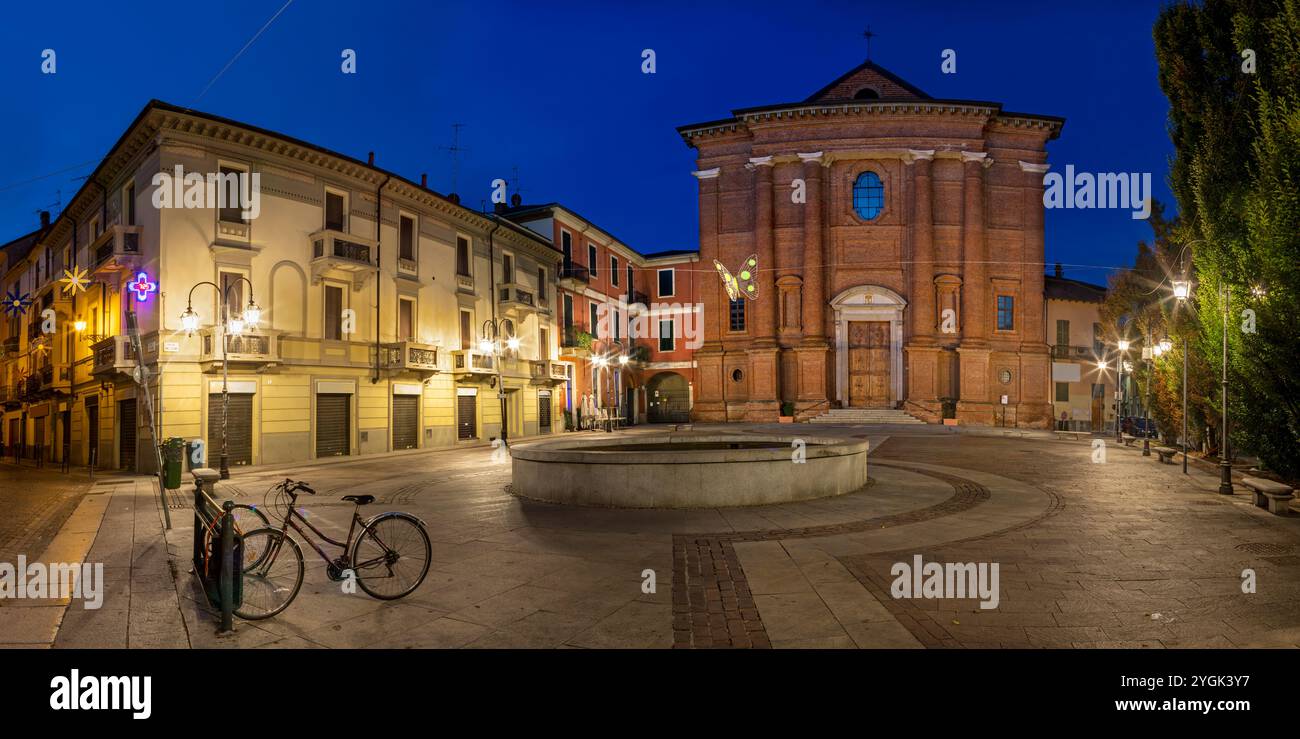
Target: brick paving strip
x,y
712,602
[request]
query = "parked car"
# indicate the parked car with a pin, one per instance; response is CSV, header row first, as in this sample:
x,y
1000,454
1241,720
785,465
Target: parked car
x,y
1139,427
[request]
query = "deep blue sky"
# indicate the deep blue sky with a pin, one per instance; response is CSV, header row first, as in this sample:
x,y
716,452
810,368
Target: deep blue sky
x,y
555,88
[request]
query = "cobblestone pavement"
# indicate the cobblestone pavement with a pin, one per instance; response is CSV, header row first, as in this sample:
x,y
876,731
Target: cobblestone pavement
x,y
1129,552
34,504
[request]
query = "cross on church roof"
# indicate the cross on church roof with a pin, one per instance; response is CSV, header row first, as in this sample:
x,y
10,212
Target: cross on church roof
x,y
868,35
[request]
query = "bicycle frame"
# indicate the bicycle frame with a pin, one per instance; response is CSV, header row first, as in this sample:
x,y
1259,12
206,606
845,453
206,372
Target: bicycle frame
x,y
346,546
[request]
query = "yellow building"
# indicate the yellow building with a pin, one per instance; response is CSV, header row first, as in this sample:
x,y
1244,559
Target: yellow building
x,y
1082,389
368,339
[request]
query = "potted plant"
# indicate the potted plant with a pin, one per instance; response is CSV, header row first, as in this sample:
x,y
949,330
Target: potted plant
x,y
949,411
787,412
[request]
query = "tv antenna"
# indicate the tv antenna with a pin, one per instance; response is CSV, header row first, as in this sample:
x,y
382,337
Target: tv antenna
x,y
455,151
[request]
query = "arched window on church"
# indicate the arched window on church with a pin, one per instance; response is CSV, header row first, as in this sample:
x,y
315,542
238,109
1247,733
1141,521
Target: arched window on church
x,y
868,195
866,93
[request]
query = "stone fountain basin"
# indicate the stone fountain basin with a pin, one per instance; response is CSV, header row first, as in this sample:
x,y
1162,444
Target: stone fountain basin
x,y
687,470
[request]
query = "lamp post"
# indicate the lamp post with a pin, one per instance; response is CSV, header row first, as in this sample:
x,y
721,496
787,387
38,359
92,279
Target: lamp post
x,y
229,326
491,343
1182,288
1122,344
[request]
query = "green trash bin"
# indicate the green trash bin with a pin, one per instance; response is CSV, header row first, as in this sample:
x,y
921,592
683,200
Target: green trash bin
x,y
173,451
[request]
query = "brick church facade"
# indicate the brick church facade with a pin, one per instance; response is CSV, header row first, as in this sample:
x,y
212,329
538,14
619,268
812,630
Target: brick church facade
x,y
900,256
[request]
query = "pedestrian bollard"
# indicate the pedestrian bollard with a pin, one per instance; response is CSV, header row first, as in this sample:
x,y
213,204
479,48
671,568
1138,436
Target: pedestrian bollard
x,y
227,569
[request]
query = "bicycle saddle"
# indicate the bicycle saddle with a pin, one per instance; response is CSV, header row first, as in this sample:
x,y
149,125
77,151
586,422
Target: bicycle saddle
x,y
360,499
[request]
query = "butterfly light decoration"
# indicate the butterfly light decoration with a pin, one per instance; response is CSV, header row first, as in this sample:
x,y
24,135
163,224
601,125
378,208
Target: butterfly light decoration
x,y
741,283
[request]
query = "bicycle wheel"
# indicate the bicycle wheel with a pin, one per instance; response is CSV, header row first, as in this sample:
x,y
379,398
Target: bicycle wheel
x,y
391,556
271,585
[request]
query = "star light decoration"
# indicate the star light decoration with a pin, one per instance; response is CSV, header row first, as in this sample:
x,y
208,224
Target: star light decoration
x,y
15,303
75,280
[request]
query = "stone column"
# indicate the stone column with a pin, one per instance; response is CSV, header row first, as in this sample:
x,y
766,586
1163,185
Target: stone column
x,y
764,354
709,404
812,354
975,281
921,301
1035,407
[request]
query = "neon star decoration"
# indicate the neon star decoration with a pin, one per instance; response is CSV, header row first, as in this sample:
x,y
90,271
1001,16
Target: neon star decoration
x,y
742,283
75,280
142,287
16,304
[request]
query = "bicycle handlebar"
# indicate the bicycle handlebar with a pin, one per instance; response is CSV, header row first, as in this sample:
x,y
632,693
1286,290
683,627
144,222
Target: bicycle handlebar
x,y
291,486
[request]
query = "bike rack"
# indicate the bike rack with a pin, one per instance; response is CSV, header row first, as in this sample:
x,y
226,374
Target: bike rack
x,y
224,588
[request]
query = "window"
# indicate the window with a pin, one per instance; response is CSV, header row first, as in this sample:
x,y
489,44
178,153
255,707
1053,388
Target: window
x,y
542,297
736,312
866,93
232,287
591,258
1006,313
405,320
406,238
1063,392
666,335
618,324
94,228
336,211
613,270
228,190
128,204
595,327
333,313
1063,333
566,247
868,195
568,311
462,256
666,279
507,269
466,330
1098,346
543,343
630,284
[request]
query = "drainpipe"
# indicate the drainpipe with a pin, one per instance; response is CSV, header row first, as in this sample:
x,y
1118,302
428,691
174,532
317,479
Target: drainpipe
x,y
496,332
379,254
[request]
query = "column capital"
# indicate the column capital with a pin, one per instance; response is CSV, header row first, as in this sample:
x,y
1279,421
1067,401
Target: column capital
x,y
706,174
1035,168
813,158
914,155
977,156
759,162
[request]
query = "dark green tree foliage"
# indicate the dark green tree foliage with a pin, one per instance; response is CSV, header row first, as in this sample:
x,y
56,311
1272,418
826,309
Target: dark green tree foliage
x,y
1236,174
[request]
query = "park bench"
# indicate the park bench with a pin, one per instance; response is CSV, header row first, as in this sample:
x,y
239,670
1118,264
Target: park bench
x,y
1275,496
1166,453
1128,439
1072,434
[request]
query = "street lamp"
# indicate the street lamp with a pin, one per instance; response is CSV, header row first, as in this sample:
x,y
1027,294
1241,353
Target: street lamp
x,y
490,343
1120,366
230,326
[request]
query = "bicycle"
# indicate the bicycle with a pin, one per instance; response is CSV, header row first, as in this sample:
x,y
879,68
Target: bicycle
x,y
384,556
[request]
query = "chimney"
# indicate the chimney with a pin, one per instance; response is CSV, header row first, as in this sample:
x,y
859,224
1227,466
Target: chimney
x,y
515,200
453,197
45,220
499,207
371,159
1059,272
424,180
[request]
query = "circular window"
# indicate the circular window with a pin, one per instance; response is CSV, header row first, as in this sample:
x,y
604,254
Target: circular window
x,y
868,195
1005,376
737,375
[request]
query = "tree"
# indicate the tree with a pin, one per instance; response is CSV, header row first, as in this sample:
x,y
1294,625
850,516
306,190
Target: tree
x,y
1236,175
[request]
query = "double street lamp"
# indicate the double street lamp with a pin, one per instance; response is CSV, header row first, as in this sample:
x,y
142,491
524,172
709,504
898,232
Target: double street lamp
x,y
230,326
490,343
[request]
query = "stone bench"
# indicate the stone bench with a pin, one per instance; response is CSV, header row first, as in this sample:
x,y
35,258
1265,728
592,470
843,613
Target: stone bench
x,y
1166,453
1072,434
1128,439
1275,496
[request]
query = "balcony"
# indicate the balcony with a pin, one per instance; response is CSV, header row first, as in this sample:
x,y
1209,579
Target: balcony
x,y
113,355
258,348
516,300
465,284
8,396
1081,353
546,372
9,347
408,267
409,356
574,276
471,362
116,250
575,341
340,252
635,297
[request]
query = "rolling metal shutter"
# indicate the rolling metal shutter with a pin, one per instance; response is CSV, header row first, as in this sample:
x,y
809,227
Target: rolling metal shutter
x,y
332,424
239,428
466,416
544,412
406,421
126,434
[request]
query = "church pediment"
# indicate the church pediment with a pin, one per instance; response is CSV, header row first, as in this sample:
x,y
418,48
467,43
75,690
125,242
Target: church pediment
x,y
868,81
